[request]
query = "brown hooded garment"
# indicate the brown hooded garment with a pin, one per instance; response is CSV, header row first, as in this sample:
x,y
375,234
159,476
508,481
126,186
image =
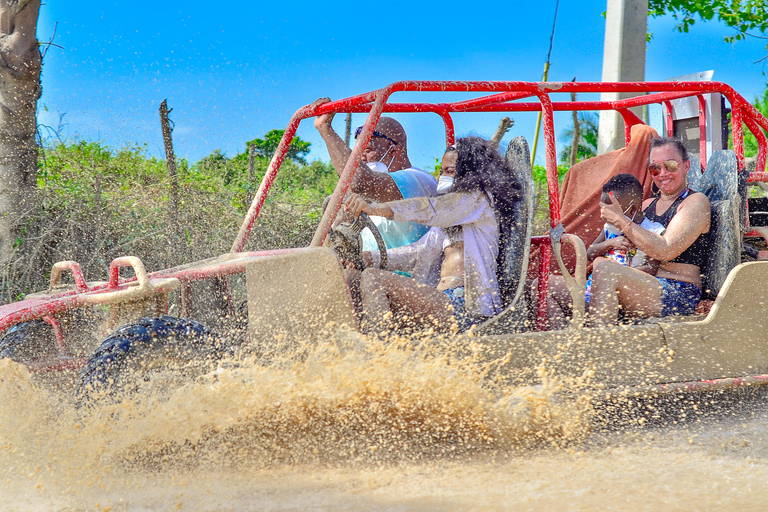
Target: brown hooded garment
x,y
582,187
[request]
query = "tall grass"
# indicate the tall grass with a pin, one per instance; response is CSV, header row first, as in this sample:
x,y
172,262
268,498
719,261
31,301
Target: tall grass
x,y
96,203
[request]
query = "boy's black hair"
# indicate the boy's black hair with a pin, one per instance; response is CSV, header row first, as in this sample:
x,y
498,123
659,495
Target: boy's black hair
x,y
625,185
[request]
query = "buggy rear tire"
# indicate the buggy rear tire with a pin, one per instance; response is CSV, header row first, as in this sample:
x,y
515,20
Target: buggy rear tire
x,y
134,353
26,342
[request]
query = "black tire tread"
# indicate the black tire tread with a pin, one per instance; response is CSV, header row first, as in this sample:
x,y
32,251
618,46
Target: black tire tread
x,y
139,340
26,341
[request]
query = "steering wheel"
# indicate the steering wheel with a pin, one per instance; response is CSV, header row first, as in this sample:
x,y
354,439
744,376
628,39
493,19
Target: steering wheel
x,y
348,244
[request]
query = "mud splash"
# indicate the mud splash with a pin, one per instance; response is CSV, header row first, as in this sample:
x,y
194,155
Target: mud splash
x,y
348,403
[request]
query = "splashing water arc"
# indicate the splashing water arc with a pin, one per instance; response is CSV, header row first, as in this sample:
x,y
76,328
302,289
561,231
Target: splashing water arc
x,y
353,423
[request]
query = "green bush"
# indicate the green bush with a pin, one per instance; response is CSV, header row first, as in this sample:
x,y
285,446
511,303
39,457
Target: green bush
x,y
97,203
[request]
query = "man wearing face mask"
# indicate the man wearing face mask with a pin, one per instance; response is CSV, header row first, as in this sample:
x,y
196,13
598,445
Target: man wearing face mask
x,y
385,174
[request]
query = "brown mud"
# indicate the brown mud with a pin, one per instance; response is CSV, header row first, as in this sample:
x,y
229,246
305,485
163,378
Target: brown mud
x,y
362,424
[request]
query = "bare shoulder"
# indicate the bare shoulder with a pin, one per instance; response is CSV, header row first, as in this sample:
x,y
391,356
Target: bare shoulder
x,y
695,211
695,202
647,202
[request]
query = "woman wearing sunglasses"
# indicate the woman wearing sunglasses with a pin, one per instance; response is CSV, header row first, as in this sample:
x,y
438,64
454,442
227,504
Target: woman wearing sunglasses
x,y
682,250
467,217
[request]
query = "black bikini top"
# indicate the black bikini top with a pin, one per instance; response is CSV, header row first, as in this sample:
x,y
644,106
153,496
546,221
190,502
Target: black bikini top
x,y
698,253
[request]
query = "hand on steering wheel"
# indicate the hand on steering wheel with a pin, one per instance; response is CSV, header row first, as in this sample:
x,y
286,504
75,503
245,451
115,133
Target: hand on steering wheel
x,y
346,236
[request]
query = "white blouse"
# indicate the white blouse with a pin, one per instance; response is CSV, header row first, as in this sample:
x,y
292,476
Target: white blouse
x,y
474,213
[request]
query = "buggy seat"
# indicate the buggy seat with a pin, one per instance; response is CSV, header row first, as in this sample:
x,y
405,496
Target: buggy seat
x,y
725,186
515,244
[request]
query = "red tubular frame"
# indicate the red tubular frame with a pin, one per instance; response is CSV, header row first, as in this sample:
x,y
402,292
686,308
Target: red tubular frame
x,y
500,97
702,131
670,122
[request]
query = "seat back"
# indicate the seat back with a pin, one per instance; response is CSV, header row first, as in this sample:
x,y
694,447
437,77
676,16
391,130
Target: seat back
x,y
724,246
515,244
515,241
694,172
720,183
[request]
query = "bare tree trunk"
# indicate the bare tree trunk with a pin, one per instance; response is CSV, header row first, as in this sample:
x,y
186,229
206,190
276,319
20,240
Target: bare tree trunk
x,y
251,173
20,64
576,134
173,203
348,132
504,126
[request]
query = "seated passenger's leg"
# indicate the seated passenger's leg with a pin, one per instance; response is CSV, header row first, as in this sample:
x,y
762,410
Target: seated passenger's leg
x,y
383,292
614,285
352,277
559,306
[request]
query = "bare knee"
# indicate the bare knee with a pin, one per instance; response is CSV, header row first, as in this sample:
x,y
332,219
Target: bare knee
x,y
371,280
604,274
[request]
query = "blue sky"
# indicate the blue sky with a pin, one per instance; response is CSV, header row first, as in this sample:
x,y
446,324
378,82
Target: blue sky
x,y
232,72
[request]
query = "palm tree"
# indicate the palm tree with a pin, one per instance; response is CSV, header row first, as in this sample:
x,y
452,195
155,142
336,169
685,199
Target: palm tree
x,y
587,147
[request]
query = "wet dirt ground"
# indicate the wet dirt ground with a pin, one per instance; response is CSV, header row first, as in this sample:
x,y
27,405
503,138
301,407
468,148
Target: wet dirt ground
x,y
382,432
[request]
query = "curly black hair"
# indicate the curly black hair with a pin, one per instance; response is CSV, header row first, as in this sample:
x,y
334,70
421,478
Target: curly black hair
x,y
480,166
624,184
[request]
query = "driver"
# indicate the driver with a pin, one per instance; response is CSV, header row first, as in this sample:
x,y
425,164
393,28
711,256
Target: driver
x,y
385,174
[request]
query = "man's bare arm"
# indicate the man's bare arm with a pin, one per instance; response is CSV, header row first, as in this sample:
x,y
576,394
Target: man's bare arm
x,y
338,151
504,126
377,186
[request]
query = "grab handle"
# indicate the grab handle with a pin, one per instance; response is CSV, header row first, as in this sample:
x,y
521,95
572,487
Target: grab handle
x,y
138,270
576,282
77,274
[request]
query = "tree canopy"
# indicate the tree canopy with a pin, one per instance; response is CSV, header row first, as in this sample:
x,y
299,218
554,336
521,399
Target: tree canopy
x,y
588,121
741,15
266,147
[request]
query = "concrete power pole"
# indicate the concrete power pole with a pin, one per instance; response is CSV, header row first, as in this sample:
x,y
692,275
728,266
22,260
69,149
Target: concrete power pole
x,y
626,25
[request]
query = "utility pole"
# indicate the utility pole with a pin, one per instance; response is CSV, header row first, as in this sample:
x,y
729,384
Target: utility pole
x,y
626,26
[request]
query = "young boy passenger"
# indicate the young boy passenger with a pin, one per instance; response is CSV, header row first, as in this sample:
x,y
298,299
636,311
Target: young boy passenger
x,y
610,244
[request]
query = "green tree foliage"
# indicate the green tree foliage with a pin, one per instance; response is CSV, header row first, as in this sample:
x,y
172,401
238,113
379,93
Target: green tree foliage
x,y
266,147
296,182
741,15
588,121
750,142
541,195
540,175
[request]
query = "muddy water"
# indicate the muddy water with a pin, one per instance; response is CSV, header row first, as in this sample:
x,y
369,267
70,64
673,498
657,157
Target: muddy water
x,y
358,425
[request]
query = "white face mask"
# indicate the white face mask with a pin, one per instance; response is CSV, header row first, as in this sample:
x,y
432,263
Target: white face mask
x,y
444,183
380,166
377,166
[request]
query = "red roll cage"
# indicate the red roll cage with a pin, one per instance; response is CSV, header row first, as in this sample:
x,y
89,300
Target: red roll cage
x,y
497,97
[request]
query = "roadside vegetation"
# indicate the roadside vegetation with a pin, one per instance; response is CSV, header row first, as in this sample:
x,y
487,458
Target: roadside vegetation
x,y
96,203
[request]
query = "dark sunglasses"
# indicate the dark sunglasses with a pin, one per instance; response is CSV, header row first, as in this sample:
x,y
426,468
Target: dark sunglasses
x,y
669,165
375,134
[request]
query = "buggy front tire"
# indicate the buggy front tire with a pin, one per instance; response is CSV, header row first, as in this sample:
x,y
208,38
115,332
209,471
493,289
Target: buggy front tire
x,y
142,351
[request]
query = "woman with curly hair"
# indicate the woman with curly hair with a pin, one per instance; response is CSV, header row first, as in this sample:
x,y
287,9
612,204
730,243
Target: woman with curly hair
x,y
454,264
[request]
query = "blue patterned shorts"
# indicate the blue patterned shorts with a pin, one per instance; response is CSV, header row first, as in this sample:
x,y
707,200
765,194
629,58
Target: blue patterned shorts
x,y
678,297
464,319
